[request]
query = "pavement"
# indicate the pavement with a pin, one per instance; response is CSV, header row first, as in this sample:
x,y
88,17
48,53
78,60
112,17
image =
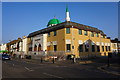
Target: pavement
x,y
112,69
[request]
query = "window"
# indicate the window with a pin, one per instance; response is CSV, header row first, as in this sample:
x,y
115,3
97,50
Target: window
x,y
97,35
93,48
92,34
86,48
109,48
80,31
55,33
30,48
39,47
115,45
85,33
103,36
55,47
49,34
102,48
68,47
67,30
98,48
106,48
80,48
48,48
35,48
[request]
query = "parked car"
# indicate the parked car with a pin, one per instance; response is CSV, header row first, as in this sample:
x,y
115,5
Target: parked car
x,y
6,57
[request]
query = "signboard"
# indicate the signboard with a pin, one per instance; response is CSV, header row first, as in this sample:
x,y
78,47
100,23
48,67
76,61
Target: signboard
x,y
54,42
68,41
80,42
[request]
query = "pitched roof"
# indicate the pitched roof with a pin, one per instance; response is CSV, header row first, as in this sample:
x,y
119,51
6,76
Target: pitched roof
x,y
114,41
66,24
14,41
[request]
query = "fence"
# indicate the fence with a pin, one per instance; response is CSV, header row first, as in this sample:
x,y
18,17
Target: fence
x,y
49,55
19,54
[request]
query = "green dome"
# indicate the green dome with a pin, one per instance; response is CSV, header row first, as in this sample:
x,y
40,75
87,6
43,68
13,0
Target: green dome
x,y
53,21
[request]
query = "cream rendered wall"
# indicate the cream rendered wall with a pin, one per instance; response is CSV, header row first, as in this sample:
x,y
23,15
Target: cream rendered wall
x,y
3,46
24,45
44,41
115,47
40,39
20,46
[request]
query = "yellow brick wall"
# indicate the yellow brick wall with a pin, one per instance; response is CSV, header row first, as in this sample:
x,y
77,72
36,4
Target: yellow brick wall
x,y
61,37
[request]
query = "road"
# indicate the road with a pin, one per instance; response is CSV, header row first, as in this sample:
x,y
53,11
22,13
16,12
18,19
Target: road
x,y
24,69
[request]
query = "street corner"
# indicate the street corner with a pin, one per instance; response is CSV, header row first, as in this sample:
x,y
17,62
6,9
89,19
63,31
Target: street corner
x,y
112,69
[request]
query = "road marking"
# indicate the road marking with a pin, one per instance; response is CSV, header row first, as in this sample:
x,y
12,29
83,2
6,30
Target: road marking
x,y
28,69
52,75
60,66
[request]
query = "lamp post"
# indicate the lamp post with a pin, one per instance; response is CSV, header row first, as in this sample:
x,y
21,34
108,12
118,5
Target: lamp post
x,y
118,46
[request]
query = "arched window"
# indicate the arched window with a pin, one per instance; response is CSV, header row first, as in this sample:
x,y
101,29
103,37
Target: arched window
x,y
35,48
48,48
39,47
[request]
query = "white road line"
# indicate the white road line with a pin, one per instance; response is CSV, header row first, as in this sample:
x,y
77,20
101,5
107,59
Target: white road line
x,y
28,69
60,66
52,75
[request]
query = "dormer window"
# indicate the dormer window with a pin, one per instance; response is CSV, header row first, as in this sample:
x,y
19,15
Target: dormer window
x,y
97,35
85,33
92,34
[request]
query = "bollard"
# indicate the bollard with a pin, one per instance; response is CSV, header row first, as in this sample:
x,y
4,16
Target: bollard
x,y
74,59
109,56
41,60
53,60
19,56
108,65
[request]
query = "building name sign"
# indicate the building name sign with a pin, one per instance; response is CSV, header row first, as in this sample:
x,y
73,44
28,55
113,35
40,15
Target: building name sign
x,y
37,39
54,42
68,41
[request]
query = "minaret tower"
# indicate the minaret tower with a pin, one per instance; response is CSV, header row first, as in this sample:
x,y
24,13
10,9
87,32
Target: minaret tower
x,y
67,14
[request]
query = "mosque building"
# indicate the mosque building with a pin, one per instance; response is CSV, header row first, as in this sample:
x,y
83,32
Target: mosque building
x,y
71,38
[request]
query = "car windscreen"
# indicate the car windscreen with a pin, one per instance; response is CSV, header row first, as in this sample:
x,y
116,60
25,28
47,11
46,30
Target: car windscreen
x,y
5,55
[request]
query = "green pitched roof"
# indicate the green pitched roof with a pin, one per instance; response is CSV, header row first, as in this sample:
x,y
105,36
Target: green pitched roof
x,y
53,21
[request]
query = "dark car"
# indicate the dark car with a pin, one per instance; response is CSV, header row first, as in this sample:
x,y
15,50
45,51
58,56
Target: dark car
x,y
6,57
